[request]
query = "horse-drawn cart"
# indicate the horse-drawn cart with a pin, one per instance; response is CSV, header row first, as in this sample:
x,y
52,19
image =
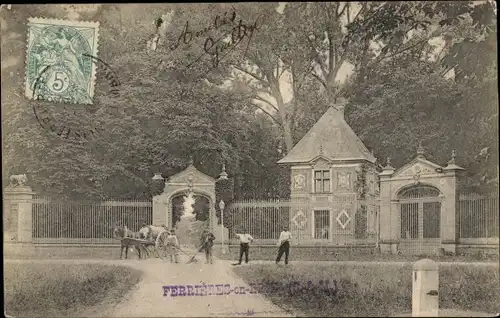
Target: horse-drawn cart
x,y
154,245
147,248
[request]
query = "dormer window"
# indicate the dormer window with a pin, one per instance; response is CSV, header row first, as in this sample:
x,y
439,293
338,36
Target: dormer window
x,y
322,181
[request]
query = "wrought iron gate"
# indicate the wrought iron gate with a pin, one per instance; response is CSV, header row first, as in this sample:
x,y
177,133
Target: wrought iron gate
x,y
420,216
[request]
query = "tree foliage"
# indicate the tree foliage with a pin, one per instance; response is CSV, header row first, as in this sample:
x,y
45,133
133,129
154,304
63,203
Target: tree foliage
x,y
266,92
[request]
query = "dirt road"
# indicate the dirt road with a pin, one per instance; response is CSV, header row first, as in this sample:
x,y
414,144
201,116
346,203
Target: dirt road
x,y
148,299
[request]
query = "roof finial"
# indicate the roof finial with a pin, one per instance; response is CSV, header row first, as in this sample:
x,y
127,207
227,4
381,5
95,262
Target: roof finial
x,y
420,150
191,162
453,156
223,174
388,164
321,149
451,164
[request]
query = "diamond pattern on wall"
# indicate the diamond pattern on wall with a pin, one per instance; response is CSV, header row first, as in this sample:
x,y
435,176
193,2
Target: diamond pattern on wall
x,y
343,218
300,219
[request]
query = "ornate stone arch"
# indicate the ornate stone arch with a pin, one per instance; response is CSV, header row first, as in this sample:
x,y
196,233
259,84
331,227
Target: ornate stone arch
x,y
188,180
422,173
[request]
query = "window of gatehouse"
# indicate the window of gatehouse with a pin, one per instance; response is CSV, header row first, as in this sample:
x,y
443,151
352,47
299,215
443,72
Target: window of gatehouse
x,y
322,181
321,224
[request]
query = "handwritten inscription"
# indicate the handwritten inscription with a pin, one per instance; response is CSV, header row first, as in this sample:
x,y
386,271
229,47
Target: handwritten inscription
x,y
216,47
187,35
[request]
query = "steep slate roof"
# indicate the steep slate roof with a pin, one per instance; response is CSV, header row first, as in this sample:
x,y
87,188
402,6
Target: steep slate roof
x,y
330,137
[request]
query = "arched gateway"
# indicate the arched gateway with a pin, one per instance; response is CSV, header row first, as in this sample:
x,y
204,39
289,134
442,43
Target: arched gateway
x,y
190,180
418,206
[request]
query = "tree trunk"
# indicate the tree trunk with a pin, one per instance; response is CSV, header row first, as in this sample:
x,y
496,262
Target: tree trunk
x,y
288,136
287,131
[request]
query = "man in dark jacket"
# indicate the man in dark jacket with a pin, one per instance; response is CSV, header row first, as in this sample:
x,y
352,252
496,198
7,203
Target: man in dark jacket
x,y
207,243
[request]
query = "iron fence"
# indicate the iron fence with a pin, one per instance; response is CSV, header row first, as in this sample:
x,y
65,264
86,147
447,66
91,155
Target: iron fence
x,y
343,220
478,218
79,222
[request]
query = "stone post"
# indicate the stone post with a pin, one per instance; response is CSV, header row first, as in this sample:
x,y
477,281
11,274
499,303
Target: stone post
x,y
160,208
388,240
18,206
449,216
161,213
425,294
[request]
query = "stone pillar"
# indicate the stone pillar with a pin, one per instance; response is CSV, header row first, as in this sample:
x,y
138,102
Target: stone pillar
x,y
161,211
449,208
425,294
18,207
388,222
395,226
160,206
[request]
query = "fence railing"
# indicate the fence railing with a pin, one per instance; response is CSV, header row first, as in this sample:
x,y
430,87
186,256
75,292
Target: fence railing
x,y
345,220
341,221
478,218
83,222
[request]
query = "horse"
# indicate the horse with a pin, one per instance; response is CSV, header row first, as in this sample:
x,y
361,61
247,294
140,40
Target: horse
x,y
151,232
127,239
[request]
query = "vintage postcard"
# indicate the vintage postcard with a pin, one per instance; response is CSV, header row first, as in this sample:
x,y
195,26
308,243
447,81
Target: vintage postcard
x,y
258,159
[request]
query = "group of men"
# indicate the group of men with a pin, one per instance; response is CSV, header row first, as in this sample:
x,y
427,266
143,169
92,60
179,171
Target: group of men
x,y
283,245
172,242
207,243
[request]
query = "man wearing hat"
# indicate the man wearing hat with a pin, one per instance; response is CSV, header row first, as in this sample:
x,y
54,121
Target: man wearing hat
x,y
207,242
284,244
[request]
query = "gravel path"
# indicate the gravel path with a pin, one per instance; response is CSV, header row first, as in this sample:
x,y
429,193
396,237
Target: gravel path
x,y
148,300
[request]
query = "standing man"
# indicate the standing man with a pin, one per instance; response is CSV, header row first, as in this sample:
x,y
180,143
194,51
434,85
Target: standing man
x,y
207,242
245,240
284,245
173,246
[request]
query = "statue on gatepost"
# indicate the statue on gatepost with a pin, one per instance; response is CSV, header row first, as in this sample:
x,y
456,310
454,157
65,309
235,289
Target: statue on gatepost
x,y
18,180
18,208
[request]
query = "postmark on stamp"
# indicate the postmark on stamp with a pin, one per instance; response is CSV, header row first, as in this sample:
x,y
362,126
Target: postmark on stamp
x,y
54,117
59,60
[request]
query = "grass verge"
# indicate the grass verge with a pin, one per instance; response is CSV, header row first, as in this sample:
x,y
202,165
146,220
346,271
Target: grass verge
x,y
55,290
371,289
316,254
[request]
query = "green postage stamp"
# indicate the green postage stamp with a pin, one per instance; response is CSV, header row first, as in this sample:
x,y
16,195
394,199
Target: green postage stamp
x,y
58,63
